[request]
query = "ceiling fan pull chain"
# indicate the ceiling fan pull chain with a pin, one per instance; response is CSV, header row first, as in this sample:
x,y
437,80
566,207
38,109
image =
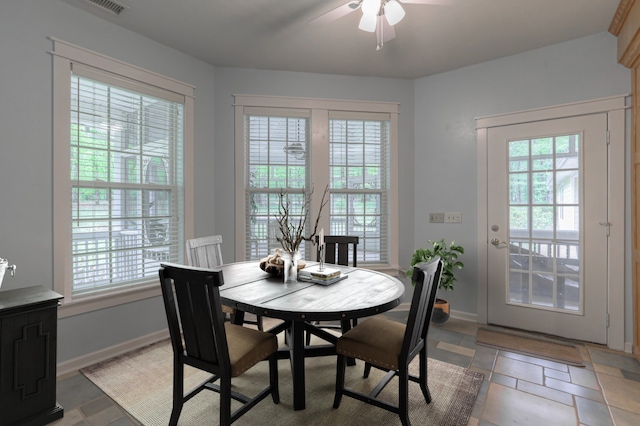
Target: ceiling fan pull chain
x,y
380,33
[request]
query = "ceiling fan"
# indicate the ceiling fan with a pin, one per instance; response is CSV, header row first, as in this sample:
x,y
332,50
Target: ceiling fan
x,y
378,16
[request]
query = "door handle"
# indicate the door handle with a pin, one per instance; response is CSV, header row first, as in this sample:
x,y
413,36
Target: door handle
x,y
499,244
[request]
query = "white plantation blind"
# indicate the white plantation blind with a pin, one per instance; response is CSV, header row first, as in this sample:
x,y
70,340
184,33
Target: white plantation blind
x,y
276,156
127,184
348,150
359,181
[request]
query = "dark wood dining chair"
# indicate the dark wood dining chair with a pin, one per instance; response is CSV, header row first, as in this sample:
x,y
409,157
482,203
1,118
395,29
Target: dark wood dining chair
x,y
202,339
390,346
337,249
206,252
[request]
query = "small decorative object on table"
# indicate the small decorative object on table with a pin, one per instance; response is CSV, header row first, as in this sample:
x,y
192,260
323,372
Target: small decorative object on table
x,y
325,276
275,263
321,249
292,231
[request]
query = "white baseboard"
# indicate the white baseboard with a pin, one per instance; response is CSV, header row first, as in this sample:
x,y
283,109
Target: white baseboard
x,y
73,365
628,347
466,316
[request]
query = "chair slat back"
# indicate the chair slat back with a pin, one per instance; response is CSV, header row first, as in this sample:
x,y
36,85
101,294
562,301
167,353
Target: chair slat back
x,y
427,279
205,252
195,313
337,249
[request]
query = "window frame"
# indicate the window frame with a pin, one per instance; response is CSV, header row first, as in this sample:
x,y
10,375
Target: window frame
x,y
319,172
64,56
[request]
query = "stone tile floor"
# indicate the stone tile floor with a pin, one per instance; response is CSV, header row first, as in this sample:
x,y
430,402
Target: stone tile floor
x,y
517,389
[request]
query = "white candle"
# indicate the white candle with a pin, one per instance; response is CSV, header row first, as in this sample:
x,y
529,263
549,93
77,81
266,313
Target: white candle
x,y
321,237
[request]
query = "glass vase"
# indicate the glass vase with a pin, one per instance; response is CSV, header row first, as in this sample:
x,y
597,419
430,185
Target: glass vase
x,y
290,266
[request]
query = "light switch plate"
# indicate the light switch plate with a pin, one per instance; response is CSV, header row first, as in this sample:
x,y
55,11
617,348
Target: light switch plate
x,y
453,217
436,217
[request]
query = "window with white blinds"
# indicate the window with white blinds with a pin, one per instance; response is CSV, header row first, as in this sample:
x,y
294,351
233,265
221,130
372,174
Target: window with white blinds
x,y
126,179
120,183
277,143
348,151
359,181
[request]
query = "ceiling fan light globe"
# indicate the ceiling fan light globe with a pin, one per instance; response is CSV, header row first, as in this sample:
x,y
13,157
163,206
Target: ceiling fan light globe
x,y
394,12
370,7
368,23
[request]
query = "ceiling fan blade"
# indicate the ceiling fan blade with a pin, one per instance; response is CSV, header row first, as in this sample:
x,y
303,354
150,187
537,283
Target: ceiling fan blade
x,y
368,23
336,13
431,2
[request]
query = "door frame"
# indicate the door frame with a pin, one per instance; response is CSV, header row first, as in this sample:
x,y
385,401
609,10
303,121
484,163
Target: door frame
x,y
615,107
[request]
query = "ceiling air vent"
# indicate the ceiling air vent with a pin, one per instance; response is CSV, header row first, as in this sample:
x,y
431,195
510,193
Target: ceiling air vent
x,y
109,5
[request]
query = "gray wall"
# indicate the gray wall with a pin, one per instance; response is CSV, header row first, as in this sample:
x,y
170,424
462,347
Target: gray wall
x,y
437,140
26,150
445,146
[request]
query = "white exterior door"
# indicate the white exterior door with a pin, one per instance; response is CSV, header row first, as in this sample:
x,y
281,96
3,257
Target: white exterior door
x,y
547,217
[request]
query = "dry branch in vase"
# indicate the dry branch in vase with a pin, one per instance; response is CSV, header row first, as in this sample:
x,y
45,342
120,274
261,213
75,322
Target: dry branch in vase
x,y
292,227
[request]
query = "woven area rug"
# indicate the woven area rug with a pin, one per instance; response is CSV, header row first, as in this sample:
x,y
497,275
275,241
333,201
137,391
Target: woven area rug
x,y
140,381
541,348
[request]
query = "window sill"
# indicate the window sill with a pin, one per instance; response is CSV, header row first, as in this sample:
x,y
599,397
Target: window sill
x,y
90,304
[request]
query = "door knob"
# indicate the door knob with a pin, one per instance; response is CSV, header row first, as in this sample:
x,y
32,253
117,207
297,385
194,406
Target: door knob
x,y
496,242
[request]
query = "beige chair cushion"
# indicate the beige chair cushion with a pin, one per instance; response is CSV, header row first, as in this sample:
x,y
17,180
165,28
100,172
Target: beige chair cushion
x,y
247,347
377,340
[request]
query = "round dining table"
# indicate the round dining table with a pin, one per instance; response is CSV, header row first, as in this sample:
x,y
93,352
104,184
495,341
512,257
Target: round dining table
x,y
362,293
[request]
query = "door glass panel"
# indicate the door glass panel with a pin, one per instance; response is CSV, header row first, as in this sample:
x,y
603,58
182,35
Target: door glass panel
x,y
542,274
541,148
544,220
519,220
519,188
518,279
568,266
542,187
542,163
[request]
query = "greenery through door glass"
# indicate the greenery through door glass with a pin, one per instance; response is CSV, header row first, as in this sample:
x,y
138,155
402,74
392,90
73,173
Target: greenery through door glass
x,y
544,220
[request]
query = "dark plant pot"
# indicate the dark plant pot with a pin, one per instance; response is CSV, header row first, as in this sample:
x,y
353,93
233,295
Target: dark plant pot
x,y
440,312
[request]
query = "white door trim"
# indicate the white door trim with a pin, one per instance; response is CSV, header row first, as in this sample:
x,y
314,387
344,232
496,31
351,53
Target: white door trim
x,y
615,107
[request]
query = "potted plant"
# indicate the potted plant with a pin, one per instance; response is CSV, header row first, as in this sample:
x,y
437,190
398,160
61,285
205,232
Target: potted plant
x,y
449,256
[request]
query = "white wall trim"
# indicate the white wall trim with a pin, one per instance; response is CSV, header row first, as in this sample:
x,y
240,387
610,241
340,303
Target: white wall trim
x,y
465,316
79,54
64,56
319,111
549,113
617,243
315,103
482,221
79,305
76,364
461,315
615,107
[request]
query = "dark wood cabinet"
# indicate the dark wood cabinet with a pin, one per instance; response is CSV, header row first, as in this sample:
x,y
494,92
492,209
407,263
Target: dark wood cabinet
x,y
28,337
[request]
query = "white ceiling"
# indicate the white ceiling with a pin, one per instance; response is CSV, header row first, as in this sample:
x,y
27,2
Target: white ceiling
x,y
277,35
